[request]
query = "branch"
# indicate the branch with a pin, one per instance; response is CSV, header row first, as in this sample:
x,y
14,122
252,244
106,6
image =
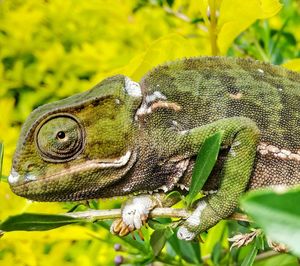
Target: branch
x,y
93,215
183,17
116,213
239,217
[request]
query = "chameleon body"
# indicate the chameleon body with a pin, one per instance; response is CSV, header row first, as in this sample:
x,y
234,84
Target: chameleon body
x,y
123,137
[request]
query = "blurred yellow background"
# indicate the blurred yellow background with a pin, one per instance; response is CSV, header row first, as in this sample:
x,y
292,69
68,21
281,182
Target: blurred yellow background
x,y
52,49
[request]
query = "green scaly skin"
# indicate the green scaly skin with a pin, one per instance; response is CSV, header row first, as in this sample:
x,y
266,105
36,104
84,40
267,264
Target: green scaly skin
x,y
116,142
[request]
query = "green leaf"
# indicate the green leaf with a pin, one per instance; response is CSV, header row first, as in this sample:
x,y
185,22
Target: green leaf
x,y
170,2
216,254
157,225
36,222
278,214
158,239
205,162
279,259
1,158
189,251
248,261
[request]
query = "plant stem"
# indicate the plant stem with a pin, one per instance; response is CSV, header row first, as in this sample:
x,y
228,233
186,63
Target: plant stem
x,y
213,28
116,213
183,17
266,255
93,215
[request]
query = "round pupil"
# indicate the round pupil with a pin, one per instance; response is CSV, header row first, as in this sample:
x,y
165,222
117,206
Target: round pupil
x,y
61,135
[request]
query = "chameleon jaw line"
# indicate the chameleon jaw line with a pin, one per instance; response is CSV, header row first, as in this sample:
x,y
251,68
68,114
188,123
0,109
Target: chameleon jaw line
x,y
116,163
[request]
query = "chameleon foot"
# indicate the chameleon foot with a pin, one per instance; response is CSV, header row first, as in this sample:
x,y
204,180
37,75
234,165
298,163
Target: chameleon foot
x,y
189,230
134,215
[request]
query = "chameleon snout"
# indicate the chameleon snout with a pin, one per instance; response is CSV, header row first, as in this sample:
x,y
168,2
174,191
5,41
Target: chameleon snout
x,y
14,177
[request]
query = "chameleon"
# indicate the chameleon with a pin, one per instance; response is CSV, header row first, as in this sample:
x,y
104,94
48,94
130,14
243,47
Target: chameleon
x,y
135,138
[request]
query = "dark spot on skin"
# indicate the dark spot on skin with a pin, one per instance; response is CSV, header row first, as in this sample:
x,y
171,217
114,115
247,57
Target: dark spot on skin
x,y
96,102
279,86
229,82
80,108
208,74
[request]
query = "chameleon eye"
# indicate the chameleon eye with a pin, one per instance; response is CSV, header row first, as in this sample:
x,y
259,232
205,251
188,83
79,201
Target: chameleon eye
x,y
60,138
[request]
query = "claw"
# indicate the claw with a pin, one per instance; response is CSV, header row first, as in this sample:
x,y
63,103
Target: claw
x,y
144,222
200,239
116,226
124,231
141,234
133,236
134,216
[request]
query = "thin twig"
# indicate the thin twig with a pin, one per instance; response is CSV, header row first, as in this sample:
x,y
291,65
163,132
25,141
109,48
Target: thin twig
x,y
266,255
116,213
155,213
213,28
239,217
183,17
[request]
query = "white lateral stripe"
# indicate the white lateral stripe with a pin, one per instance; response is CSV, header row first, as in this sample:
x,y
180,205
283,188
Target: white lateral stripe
x,y
155,96
30,177
117,163
123,160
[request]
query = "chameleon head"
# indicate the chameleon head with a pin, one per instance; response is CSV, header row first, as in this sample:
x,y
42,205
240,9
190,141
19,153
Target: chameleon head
x,y
77,147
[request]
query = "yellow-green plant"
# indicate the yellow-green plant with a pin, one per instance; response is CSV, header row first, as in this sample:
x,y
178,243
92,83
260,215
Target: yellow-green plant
x,y
52,49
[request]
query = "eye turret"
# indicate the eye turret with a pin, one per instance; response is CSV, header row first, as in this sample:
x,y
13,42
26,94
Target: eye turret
x,y
60,138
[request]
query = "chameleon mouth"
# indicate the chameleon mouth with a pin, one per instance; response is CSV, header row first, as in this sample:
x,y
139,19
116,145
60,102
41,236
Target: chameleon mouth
x,y
16,180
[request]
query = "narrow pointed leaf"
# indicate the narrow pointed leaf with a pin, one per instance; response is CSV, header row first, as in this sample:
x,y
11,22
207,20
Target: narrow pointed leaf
x,y
159,238
36,222
248,261
189,251
205,162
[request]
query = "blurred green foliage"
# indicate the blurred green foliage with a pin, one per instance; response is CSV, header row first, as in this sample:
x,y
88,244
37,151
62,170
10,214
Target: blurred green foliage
x,y
52,49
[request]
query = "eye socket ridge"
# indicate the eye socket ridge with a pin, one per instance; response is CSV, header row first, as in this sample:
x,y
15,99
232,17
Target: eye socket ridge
x,y
60,138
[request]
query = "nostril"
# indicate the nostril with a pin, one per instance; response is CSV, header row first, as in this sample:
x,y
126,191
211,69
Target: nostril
x,y
29,167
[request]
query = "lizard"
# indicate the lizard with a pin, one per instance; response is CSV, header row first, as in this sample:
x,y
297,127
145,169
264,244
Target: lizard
x,y
129,138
